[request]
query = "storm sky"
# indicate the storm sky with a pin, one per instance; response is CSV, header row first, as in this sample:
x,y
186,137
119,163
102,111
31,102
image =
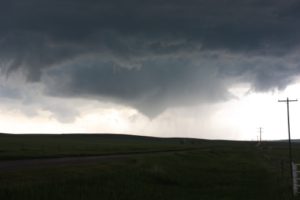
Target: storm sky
x,y
62,60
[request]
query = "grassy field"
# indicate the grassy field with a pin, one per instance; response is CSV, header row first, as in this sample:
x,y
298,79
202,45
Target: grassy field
x,y
47,145
204,170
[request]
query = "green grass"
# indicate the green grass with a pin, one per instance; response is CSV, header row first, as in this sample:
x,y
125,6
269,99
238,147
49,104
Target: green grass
x,y
216,170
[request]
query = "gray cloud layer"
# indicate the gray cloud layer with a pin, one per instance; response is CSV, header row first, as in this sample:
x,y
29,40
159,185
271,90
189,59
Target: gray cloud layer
x,y
151,54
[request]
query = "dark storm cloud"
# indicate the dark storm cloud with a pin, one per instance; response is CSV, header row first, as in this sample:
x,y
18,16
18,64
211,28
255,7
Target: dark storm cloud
x,y
151,54
158,84
227,24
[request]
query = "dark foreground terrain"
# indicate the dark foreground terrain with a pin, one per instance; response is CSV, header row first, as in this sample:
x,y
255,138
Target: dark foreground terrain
x,y
131,167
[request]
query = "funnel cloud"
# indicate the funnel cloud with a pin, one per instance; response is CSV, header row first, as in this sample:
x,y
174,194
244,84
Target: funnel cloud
x,y
148,55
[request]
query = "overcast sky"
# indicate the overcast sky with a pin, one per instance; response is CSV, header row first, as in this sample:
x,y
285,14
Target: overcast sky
x,y
160,67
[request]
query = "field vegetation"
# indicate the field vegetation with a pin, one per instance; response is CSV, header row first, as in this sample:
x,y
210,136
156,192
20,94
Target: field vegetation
x,y
197,169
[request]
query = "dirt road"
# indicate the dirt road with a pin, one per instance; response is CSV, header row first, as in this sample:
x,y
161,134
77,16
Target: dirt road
x,y
7,165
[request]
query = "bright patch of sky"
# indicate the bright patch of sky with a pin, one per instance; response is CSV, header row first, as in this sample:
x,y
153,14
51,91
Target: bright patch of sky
x,y
239,118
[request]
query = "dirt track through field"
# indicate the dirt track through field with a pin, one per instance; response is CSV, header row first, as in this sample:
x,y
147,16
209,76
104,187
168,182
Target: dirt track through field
x,y
8,165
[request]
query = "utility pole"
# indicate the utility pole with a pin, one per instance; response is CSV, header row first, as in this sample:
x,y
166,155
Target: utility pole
x,y
259,136
260,132
287,101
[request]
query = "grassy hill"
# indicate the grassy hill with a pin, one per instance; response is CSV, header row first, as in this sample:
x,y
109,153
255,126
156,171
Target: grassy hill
x,y
204,169
22,146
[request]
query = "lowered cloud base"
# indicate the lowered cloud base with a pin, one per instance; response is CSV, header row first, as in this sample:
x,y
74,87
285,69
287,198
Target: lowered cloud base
x,y
150,57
